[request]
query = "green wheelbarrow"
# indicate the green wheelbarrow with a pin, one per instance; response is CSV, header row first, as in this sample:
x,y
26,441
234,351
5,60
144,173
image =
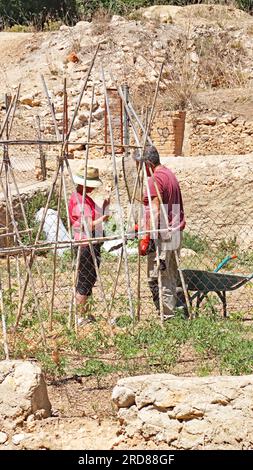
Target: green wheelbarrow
x,y
200,283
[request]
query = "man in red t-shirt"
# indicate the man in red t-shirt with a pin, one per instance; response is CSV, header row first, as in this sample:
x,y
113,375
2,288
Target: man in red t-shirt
x,y
87,221
164,223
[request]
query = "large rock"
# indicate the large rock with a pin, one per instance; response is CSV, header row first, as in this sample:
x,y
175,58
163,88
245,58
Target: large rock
x,y
22,392
162,13
187,412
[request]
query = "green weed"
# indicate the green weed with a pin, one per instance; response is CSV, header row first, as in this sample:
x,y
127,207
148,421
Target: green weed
x,y
96,368
195,242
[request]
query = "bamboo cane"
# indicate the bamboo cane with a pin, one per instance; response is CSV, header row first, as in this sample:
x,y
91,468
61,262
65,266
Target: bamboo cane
x,y
6,119
135,115
7,186
153,106
14,108
41,152
82,92
55,252
51,107
160,287
61,162
139,257
69,244
116,281
55,142
4,329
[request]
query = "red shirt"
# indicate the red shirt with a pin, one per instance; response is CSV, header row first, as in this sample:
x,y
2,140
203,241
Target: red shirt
x,y
171,196
90,210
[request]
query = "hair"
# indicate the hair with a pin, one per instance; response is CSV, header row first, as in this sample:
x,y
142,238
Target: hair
x,y
150,155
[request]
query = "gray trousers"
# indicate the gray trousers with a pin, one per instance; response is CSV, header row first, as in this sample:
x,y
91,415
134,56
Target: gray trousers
x,y
168,268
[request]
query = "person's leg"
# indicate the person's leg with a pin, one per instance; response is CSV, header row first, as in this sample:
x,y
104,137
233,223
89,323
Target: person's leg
x,y
153,278
81,303
169,275
86,279
169,283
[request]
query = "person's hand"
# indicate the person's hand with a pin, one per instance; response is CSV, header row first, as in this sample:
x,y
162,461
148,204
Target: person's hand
x,y
106,203
144,245
106,217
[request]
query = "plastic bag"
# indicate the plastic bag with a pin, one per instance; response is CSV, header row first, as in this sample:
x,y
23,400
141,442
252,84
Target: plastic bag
x,y
50,228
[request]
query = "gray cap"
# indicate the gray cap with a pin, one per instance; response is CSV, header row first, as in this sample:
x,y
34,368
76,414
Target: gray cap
x,y
150,155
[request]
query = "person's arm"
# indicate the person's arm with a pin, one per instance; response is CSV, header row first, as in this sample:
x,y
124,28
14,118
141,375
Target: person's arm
x,y
155,208
101,216
99,221
153,213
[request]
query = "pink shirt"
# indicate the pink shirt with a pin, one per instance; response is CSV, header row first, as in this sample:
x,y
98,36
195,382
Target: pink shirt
x,y
170,192
91,212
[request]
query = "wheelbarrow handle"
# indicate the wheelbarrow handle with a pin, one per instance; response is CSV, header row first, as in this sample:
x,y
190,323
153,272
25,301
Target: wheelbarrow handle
x,y
223,262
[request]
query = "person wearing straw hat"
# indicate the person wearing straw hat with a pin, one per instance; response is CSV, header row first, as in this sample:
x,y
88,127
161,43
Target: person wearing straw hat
x,y
87,222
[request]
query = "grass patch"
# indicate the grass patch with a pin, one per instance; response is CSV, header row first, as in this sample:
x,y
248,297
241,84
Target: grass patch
x,y
195,242
143,348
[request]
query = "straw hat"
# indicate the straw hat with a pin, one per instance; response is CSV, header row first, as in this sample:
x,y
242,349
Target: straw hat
x,y
92,177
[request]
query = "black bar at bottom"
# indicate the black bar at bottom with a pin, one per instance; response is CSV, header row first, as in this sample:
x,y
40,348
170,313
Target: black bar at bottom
x,y
115,458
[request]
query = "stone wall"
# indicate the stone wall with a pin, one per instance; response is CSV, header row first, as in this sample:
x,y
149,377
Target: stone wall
x,y
167,132
186,412
27,194
218,134
192,134
217,196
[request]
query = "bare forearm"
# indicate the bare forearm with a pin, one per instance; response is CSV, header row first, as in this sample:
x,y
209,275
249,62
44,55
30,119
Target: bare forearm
x,y
152,217
99,221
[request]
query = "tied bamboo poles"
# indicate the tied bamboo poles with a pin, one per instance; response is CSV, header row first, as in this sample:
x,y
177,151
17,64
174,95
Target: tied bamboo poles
x,y
115,174
128,107
64,157
64,154
64,145
142,147
84,224
165,218
9,206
